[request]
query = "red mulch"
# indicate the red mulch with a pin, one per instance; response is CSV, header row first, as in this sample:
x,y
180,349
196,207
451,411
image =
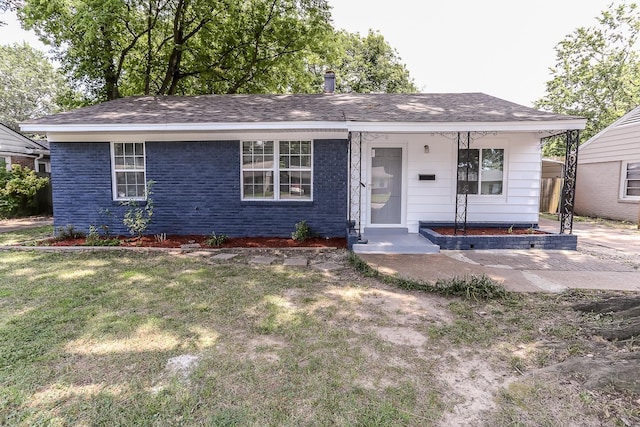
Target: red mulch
x,y
488,231
232,242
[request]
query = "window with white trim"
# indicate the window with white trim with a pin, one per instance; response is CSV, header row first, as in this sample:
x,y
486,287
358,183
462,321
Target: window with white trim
x,y
277,170
129,170
631,180
486,171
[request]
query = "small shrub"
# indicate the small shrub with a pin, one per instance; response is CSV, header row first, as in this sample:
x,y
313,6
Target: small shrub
x,y
95,239
68,232
138,218
160,237
302,231
216,239
18,188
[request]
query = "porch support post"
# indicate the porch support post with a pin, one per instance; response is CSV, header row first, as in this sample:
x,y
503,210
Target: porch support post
x,y
462,182
568,198
355,183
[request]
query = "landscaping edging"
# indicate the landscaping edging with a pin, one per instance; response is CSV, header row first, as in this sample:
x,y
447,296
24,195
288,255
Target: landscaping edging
x,y
519,241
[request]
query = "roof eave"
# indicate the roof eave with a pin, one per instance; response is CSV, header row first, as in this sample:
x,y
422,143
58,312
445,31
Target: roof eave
x,y
507,126
184,127
354,126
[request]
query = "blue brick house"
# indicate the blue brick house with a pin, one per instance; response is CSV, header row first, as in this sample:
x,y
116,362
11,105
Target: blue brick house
x,y
254,165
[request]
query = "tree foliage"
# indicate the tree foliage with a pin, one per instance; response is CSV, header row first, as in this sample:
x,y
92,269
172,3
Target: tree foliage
x,y
29,85
114,48
369,64
18,188
597,71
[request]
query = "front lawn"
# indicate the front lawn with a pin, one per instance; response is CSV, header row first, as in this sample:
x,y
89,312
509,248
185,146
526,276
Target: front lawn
x,y
90,339
134,338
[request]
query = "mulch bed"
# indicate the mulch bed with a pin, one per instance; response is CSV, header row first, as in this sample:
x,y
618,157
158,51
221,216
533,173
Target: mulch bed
x,y
232,242
487,231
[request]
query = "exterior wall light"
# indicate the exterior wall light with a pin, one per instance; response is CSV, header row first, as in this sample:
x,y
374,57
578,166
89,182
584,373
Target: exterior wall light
x,y
426,149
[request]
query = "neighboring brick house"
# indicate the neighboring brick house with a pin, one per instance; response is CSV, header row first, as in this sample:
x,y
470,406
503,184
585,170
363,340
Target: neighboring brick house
x,y
254,165
16,148
608,182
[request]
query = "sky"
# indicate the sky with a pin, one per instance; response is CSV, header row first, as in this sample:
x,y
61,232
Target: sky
x,y
500,47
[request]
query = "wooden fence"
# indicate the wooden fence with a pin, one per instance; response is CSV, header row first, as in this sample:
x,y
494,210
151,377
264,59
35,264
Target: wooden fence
x,y
550,191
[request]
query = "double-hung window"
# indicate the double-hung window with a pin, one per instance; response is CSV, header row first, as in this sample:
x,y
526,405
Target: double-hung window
x,y
631,180
482,170
129,174
277,170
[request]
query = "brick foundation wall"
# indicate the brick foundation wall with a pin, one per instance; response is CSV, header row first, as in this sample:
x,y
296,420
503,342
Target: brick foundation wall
x,y
197,190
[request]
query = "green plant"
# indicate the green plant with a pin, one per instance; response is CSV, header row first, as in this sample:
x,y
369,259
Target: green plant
x,y
138,218
510,229
95,239
472,287
18,188
160,237
302,231
68,232
216,239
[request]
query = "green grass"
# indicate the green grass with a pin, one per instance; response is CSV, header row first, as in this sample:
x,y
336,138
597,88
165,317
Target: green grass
x,y
26,236
85,339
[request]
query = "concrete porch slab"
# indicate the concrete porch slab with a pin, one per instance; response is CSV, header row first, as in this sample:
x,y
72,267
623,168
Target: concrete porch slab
x,y
394,241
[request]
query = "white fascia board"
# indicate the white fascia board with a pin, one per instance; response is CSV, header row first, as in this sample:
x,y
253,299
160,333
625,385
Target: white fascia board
x,y
182,127
528,126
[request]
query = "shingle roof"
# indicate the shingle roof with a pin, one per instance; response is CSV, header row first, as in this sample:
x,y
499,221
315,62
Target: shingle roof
x,y
423,107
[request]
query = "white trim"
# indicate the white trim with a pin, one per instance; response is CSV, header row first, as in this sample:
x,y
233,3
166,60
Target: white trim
x,y
346,126
114,181
276,172
198,136
404,185
182,127
623,179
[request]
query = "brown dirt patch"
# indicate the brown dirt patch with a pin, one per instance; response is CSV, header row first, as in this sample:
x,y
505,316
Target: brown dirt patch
x,y
174,241
487,231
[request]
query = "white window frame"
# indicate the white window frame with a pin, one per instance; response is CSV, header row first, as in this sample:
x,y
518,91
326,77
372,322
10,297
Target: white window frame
x,y
114,172
623,180
479,194
7,162
276,172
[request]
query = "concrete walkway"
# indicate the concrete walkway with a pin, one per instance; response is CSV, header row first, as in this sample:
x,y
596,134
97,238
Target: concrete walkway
x,y
607,258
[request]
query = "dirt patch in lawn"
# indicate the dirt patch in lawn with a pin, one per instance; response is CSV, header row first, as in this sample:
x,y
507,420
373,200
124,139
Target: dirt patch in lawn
x,y
175,241
487,231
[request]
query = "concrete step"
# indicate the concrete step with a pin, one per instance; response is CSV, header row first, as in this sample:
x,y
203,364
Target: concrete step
x,y
394,241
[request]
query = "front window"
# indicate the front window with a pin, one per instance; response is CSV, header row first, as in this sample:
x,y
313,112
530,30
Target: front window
x,y
129,173
276,170
481,171
631,184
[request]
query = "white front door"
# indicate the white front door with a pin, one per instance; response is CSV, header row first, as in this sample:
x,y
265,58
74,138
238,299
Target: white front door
x,y
386,186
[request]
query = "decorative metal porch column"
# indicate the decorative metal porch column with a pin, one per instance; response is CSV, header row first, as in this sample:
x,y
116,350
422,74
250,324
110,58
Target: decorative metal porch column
x,y
462,194
568,198
355,182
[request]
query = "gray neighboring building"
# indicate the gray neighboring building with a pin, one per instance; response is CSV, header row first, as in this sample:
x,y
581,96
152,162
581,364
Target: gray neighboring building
x,y
608,179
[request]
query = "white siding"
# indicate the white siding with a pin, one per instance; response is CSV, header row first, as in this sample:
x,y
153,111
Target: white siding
x,y
436,200
620,142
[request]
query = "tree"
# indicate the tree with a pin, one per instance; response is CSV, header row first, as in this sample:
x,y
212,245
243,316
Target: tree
x,y
597,72
361,64
369,64
114,48
29,85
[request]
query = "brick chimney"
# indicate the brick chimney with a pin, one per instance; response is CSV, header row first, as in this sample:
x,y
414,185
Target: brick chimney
x,y
329,82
